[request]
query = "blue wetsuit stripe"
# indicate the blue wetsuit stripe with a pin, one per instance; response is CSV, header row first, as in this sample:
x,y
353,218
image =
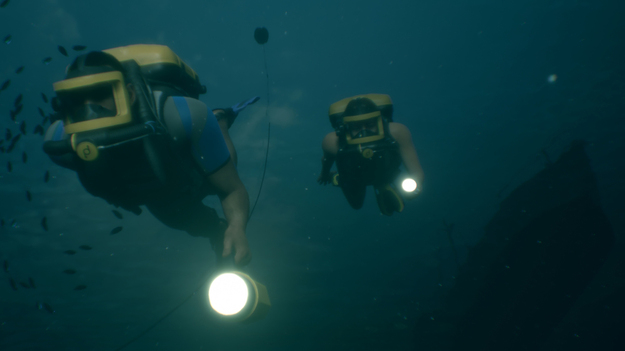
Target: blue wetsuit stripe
x,y
212,143
185,114
212,151
58,132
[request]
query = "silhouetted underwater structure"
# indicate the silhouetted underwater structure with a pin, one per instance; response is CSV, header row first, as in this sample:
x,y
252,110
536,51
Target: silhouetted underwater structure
x,y
538,254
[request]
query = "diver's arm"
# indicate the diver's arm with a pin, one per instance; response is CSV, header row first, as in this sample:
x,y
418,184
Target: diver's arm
x,y
409,157
235,203
211,153
330,148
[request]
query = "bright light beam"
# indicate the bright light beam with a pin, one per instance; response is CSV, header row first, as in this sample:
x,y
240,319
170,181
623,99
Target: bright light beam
x,y
228,294
409,185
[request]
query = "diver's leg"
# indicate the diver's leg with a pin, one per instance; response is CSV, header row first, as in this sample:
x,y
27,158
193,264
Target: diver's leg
x,y
388,199
354,193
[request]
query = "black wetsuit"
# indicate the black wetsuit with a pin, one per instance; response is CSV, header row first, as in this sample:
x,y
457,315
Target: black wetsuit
x,y
166,173
356,172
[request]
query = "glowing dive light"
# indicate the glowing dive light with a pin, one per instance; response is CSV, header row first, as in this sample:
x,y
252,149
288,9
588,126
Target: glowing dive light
x,y
228,294
409,185
236,296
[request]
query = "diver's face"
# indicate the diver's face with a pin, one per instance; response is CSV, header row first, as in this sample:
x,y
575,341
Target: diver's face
x,y
369,125
94,102
107,101
101,96
91,103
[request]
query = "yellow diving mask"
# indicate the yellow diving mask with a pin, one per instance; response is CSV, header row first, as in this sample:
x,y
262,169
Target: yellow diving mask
x,y
94,101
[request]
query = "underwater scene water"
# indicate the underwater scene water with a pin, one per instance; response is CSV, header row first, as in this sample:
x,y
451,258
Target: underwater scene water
x,y
515,109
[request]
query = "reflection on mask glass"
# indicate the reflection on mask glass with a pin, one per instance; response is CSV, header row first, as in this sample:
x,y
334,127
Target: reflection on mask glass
x,y
93,94
364,128
88,112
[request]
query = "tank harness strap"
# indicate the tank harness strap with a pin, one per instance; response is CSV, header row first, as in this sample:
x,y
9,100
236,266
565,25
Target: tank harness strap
x,y
159,101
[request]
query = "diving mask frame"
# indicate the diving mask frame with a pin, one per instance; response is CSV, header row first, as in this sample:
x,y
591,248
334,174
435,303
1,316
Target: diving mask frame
x,y
359,118
120,94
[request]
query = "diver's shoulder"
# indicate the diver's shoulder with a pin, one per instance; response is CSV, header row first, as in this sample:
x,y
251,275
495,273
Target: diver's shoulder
x,y
330,143
55,131
331,138
398,130
179,112
331,135
185,103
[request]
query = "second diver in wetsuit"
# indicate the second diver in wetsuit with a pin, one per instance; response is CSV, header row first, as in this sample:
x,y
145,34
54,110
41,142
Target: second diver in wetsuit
x,y
369,148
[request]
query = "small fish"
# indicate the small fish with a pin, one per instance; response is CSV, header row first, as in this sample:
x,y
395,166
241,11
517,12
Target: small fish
x,y
117,214
19,70
18,99
9,166
43,114
47,60
46,177
48,308
38,130
45,120
8,135
44,223
69,271
85,247
14,142
6,265
23,127
44,97
80,287
13,115
70,252
62,50
116,230
29,197
79,47
18,109
5,85
24,285
13,284
24,157
4,3
31,281
7,39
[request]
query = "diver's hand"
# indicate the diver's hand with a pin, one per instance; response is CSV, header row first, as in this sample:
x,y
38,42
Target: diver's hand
x,y
236,237
411,195
325,178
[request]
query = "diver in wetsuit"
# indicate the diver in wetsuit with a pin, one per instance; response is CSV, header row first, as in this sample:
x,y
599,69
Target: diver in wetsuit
x,y
368,149
136,134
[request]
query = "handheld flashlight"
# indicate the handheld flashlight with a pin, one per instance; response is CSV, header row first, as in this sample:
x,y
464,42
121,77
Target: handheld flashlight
x,y
409,185
236,296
